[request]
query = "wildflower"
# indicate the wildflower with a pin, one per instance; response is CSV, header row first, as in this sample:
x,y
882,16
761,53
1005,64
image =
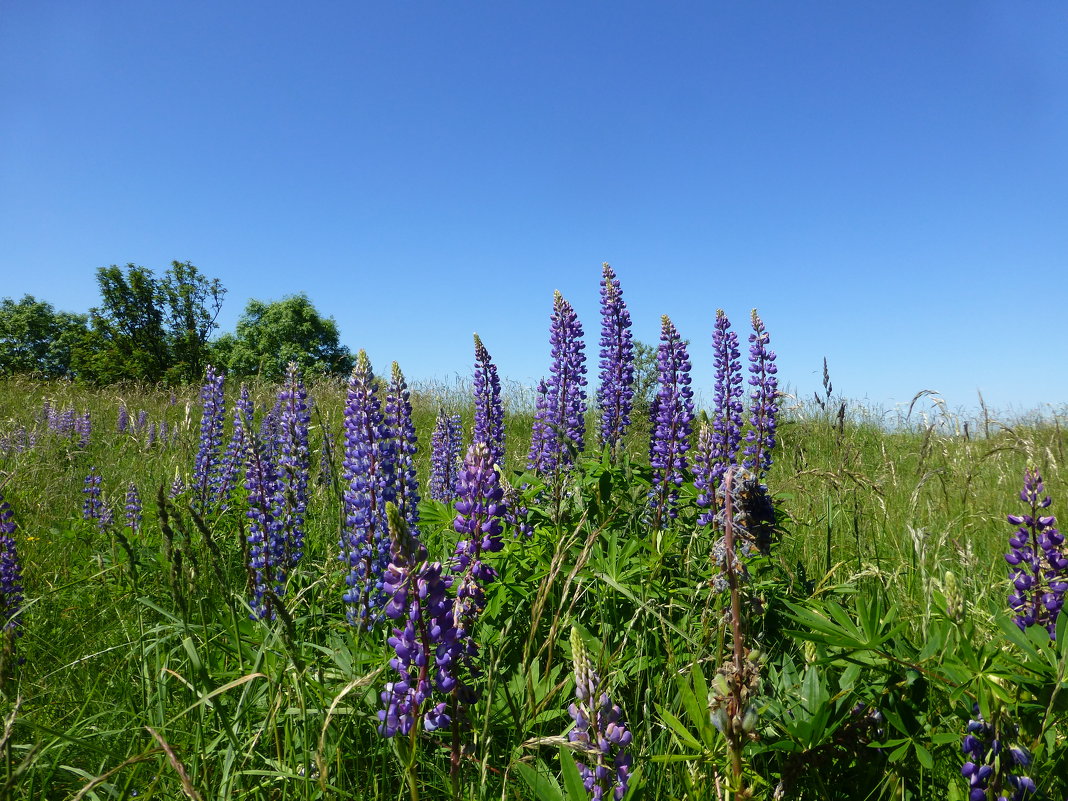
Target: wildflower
x,y
368,467
489,413
672,421
122,424
615,396
727,393
133,509
992,766
1038,559
92,505
566,389
760,438
418,600
266,533
294,463
543,454
600,734
10,573
401,431
207,467
445,445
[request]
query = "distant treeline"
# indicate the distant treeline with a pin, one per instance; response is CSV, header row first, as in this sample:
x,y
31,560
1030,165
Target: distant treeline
x,y
158,329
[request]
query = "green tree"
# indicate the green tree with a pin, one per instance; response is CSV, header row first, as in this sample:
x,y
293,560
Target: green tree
x,y
149,329
35,338
270,335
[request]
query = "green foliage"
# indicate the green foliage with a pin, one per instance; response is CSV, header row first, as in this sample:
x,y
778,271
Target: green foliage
x,y
148,329
144,673
35,338
270,335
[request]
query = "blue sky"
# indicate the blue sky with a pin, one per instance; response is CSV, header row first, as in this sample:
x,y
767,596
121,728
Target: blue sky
x,y
887,183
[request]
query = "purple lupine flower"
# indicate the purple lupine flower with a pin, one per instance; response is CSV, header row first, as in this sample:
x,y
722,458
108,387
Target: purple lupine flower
x,y
140,421
83,427
294,463
419,601
615,396
177,486
1038,559
489,413
992,763
10,573
727,412
206,469
233,460
479,511
368,471
401,430
150,437
270,430
122,424
600,735
163,433
92,505
133,509
266,531
567,393
764,407
704,476
445,445
543,454
672,424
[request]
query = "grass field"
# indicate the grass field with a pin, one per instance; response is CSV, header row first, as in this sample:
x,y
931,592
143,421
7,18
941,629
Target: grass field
x,y
858,647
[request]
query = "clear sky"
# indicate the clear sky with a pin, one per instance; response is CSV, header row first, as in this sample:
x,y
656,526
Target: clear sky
x,y
886,182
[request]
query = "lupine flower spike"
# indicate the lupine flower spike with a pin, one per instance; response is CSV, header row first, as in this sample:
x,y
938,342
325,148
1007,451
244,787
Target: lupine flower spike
x,y
207,468
600,735
10,572
419,603
368,468
445,446
401,430
727,394
1038,560
615,396
672,423
764,408
133,509
489,413
567,384
294,463
992,762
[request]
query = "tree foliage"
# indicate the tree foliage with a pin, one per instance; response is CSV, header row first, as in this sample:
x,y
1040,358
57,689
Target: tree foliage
x,y
149,329
35,338
269,335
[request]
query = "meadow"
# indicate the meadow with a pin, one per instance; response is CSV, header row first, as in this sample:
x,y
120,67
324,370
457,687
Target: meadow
x,y
618,649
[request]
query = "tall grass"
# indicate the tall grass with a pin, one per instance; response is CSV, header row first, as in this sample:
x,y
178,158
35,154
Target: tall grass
x,y
144,676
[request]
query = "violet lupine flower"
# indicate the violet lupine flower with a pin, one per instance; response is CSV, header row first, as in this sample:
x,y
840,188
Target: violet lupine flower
x,y
567,394
140,421
164,434
615,396
543,455
266,531
206,468
1038,559
479,510
704,465
177,486
600,734
991,765
10,573
672,423
727,412
133,509
368,470
150,437
92,505
489,413
83,427
445,445
233,460
419,601
764,407
401,430
294,463
122,424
